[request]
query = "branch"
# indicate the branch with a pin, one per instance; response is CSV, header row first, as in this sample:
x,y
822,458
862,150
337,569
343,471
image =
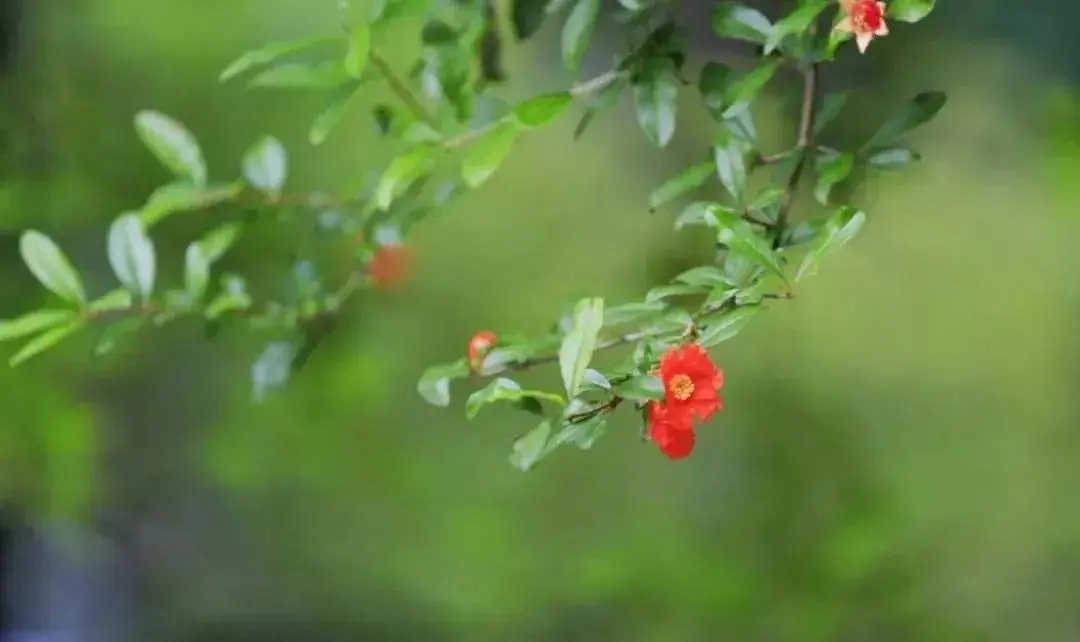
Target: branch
x,y
805,142
401,90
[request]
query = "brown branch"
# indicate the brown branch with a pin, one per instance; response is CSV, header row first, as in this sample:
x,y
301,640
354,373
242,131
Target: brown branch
x,y
803,145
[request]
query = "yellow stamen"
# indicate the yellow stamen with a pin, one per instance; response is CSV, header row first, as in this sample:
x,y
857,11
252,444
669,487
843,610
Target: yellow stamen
x,y
681,386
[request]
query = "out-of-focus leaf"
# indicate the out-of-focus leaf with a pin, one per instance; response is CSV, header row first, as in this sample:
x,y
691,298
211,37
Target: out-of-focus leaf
x,y
50,266
172,144
434,384
131,255
33,322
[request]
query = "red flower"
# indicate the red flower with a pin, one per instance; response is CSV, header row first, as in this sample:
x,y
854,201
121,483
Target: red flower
x,y
865,19
691,382
479,346
389,265
671,431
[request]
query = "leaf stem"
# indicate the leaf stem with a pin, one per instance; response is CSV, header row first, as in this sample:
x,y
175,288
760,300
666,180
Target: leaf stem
x,y
401,90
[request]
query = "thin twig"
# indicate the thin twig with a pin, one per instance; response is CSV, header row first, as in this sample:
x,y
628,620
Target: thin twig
x,y
401,90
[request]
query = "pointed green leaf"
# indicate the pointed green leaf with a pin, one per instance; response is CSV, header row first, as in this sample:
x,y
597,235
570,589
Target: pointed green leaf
x,y
742,92
50,266
831,106
508,390
219,240
655,96
578,346
542,109
112,334
356,58
118,299
266,165
689,179
668,291
33,322
487,153
832,170
302,75
530,448
840,228
172,144
402,172
705,275
434,384
726,327
631,313
268,54
185,197
743,240
196,270
131,255
729,155
578,31
44,341
796,22
272,369
331,115
732,20
910,10
919,111
892,158
641,388
527,16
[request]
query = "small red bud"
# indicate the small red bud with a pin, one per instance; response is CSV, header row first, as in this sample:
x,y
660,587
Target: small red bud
x,y
389,265
480,344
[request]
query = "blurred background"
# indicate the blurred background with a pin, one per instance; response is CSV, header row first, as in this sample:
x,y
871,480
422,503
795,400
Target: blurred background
x,y
897,460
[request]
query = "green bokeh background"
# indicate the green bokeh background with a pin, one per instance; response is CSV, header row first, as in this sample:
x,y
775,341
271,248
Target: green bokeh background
x,y
897,460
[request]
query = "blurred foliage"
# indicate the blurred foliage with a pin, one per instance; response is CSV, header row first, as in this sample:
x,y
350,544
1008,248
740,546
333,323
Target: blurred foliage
x,y
893,463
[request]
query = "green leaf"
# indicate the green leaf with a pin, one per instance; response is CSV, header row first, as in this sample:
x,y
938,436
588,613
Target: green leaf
x,y
112,334
219,240
44,341
131,255
32,323
689,179
527,16
314,75
631,313
729,155
196,270
794,23
841,227
731,20
50,266
741,93
892,158
596,379
434,384
655,95
583,434
713,84
184,197
578,31
641,388
726,327
741,238
268,54
578,346
508,390
118,299
331,114
402,172
172,144
705,276
910,10
832,170
542,109
530,448
831,106
919,111
668,291
272,369
266,166
356,58
697,213
603,99
487,153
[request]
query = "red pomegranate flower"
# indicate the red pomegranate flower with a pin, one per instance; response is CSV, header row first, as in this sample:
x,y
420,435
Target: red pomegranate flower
x,y
479,346
865,19
691,382
672,432
389,266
